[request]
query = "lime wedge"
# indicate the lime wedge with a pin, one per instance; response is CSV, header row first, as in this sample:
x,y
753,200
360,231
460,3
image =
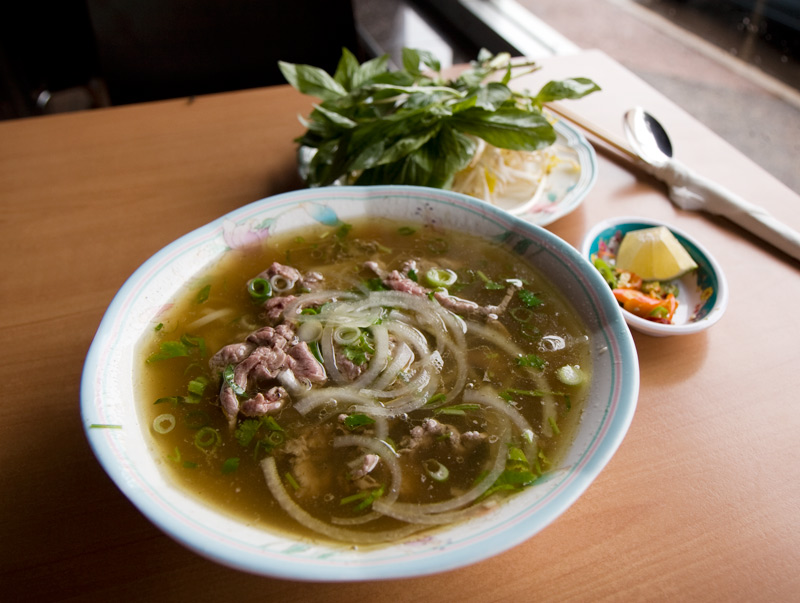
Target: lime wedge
x,y
654,254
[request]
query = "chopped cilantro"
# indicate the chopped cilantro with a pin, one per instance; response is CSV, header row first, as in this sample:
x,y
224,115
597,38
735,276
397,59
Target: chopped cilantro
x,y
529,299
489,283
343,230
531,360
202,295
246,431
230,465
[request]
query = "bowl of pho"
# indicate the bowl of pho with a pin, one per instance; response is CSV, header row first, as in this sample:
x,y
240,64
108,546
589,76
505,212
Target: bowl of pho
x,y
359,383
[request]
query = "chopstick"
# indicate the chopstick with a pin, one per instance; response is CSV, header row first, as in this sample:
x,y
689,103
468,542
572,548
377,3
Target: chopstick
x,y
593,129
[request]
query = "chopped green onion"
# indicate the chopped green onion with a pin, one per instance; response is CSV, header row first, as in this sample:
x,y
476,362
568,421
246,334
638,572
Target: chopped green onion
x,y
104,426
198,386
406,230
164,423
207,437
570,374
553,425
435,399
436,470
259,289
228,377
159,326
365,498
440,277
521,314
292,481
457,409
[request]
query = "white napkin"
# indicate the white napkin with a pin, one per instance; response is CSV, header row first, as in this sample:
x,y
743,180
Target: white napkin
x,y
691,191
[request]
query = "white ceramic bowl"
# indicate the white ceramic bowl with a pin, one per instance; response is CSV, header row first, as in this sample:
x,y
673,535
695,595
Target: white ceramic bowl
x,y
107,396
703,293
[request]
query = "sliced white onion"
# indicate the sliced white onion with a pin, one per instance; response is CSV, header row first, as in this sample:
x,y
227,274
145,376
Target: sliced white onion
x,y
380,358
309,331
329,355
336,396
302,517
209,317
497,467
403,356
489,397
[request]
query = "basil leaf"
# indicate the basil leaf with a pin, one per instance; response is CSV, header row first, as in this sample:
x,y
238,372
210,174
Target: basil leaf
x,y
508,128
572,88
311,80
369,70
412,57
346,69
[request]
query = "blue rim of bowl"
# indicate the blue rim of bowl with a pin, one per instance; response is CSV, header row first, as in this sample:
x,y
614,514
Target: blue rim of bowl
x,y
108,444
709,273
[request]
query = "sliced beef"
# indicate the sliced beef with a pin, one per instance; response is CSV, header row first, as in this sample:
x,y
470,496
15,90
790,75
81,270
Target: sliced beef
x,y
264,403
276,305
230,354
304,364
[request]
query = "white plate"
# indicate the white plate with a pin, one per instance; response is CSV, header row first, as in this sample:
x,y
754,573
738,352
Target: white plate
x,y
566,186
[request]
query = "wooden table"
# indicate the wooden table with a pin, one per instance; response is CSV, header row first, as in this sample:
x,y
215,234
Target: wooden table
x,y
701,502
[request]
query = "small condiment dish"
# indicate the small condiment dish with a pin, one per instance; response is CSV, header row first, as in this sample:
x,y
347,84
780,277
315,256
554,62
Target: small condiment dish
x,y
703,292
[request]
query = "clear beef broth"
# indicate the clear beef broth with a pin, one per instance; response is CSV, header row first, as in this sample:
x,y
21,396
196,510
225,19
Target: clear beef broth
x,y
411,440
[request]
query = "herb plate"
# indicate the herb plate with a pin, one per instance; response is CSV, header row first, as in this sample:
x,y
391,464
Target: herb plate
x,y
566,186
121,441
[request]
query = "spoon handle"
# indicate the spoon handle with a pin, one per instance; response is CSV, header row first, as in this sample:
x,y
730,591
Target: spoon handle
x,y
690,190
